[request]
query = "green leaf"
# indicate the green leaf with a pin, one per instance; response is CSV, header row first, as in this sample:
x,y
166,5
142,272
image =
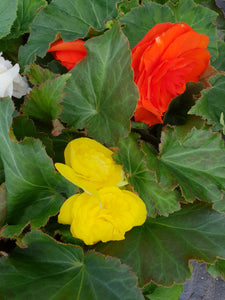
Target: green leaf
x,y
161,248
200,18
211,105
2,204
141,19
101,95
7,15
177,112
157,200
43,101
60,142
196,164
220,21
32,185
219,204
165,293
38,75
71,19
26,12
219,63
24,127
2,173
218,269
125,6
66,271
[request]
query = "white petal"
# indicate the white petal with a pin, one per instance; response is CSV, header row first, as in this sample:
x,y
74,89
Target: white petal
x,y
6,81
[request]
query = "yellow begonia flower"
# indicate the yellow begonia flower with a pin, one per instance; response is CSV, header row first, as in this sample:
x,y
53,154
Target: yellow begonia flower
x,y
90,165
104,218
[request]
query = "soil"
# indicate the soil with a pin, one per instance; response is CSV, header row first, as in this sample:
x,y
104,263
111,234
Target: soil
x,y
202,286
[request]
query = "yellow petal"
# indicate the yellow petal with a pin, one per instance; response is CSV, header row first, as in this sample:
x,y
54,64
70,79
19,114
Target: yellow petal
x,y
65,214
90,165
108,217
70,175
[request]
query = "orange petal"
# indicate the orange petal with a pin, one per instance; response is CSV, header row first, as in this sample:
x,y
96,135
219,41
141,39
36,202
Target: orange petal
x,y
68,53
146,116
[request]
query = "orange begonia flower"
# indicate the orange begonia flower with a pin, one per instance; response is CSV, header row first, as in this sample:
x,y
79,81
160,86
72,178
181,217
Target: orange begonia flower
x,y
169,56
68,53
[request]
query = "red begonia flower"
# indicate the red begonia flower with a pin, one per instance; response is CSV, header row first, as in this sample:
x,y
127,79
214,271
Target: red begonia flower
x,y
169,56
68,53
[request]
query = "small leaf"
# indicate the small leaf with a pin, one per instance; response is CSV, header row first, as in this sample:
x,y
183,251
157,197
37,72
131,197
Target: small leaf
x,y
218,269
38,75
67,273
7,15
43,101
102,104
71,19
197,164
32,187
164,293
212,104
157,200
161,248
125,6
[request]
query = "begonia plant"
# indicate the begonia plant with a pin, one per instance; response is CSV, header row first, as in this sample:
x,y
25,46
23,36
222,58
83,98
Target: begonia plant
x,y
112,155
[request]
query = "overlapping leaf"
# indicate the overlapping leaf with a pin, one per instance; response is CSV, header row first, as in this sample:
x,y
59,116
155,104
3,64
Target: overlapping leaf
x,y
202,20
157,200
218,269
66,271
163,293
219,63
141,19
101,95
211,105
43,101
26,12
160,249
7,15
71,19
32,185
196,164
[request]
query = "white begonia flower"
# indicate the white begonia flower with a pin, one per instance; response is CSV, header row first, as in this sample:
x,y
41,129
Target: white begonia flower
x,y
11,82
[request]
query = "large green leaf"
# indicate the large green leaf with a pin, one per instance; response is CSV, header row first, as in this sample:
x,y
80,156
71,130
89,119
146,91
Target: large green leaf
x,y
32,184
72,19
7,15
50,270
211,105
196,164
101,95
157,200
161,248
2,204
26,12
141,19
